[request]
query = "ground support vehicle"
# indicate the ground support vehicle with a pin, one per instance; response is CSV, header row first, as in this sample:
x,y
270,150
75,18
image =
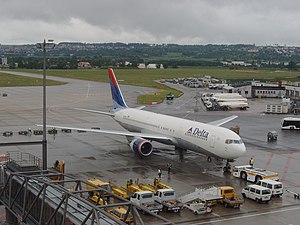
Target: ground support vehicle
x,y
58,166
272,135
169,96
145,199
119,191
37,132
132,188
52,131
199,201
157,184
122,214
97,200
229,197
253,174
99,183
23,132
66,130
167,198
125,191
275,186
197,207
7,133
146,187
296,195
258,193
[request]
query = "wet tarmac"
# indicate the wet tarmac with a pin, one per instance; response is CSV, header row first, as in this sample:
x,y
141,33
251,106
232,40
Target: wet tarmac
x,y
109,157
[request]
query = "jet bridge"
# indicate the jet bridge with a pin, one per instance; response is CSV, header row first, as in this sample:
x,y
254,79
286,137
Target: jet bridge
x,y
34,197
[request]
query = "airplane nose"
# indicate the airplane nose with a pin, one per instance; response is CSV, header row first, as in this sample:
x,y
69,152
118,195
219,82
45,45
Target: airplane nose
x,y
241,150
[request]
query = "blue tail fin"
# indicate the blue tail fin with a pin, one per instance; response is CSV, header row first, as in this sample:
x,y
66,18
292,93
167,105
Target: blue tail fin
x,y
117,97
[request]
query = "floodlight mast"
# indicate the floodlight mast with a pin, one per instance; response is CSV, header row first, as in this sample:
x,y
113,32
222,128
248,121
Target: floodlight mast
x,y
45,45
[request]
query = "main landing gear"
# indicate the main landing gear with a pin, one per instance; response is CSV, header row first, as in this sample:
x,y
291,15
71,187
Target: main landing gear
x,y
227,167
181,152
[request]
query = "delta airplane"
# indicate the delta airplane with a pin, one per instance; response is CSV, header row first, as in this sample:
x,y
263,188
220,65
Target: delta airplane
x,y
143,127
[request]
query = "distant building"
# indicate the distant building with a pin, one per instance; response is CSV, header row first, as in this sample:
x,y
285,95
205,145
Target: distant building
x,y
293,91
151,66
4,61
261,90
126,63
84,65
141,66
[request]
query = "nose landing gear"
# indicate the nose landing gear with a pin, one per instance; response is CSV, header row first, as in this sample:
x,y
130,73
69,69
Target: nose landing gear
x,y
227,167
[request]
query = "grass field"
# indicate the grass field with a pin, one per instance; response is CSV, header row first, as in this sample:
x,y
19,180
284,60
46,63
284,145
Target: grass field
x,y
9,80
147,77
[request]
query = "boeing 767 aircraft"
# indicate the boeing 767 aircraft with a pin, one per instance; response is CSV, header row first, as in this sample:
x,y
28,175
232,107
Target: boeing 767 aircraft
x,y
143,127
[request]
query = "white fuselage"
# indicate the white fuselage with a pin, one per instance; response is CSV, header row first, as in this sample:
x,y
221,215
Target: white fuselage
x,y
199,137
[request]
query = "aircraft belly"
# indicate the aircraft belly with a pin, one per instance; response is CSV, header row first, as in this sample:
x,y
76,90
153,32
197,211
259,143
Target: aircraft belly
x,y
195,148
131,128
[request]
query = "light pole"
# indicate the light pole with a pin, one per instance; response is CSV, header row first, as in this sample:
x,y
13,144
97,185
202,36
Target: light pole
x,y
45,45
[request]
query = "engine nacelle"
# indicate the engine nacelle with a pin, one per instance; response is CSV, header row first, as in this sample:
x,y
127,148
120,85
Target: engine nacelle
x,y
141,147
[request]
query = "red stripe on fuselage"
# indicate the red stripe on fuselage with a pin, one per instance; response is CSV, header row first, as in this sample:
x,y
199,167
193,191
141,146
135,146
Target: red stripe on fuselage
x,y
112,77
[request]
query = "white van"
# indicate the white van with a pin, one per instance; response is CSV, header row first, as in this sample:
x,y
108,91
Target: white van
x,y
275,186
258,193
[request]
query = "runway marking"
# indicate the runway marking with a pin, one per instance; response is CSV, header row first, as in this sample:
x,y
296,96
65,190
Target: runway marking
x,y
246,216
88,90
287,165
177,107
53,108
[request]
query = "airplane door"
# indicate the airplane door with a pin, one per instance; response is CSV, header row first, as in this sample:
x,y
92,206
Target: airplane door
x,y
212,141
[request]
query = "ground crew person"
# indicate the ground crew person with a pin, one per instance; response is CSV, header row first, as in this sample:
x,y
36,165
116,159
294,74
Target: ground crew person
x,y
29,131
251,162
169,165
159,173
56,165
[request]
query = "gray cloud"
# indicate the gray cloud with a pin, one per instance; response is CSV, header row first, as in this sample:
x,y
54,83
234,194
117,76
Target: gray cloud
x,y
156,21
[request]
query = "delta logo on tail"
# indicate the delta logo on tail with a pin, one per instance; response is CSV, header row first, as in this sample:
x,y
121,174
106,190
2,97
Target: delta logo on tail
x,y
117,96
198,133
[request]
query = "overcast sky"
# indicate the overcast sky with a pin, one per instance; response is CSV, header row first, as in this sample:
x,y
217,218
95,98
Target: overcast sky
x,y
151,21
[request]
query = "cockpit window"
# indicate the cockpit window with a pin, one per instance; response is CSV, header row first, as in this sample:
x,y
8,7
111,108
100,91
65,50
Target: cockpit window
x,y
228,141
231,141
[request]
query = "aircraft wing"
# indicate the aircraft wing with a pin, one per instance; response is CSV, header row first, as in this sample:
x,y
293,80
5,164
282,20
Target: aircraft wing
x,y
222,121
112,132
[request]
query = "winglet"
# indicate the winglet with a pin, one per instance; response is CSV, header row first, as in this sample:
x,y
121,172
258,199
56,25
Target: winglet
x,y
116,93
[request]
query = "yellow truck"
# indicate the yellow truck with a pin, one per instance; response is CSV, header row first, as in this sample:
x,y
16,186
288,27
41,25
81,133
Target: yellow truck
x,y
157,184
146,187
97,183
122,214
97,200
119,191
229,197
131,187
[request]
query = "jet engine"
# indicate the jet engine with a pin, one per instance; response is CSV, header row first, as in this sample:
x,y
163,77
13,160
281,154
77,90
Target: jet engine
x,y
141,146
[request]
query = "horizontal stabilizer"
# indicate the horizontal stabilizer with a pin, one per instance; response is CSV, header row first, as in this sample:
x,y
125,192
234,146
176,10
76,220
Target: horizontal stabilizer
x,y
95,111
140,107
222,121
